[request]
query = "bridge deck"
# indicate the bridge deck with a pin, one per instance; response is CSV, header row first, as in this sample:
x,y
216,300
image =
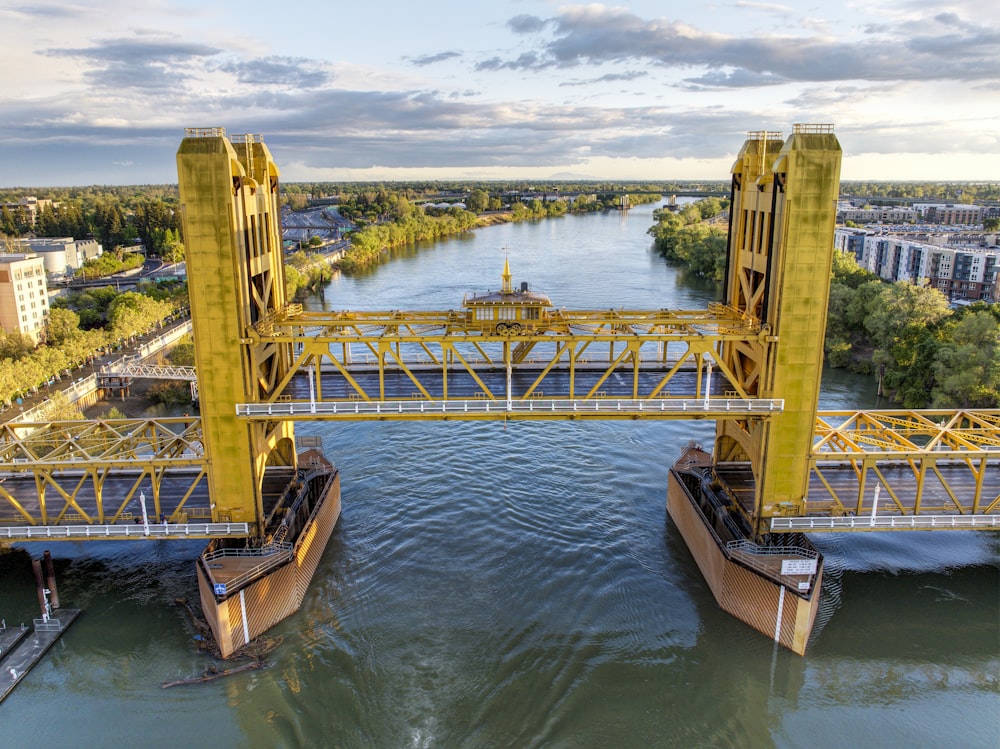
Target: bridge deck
x,y
929,469
179,509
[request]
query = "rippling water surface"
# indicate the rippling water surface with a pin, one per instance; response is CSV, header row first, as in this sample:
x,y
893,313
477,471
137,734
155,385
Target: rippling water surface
x,y
519,585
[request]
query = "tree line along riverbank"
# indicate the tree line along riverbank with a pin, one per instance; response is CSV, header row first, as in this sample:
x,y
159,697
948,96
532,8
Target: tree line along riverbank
x,y
400,222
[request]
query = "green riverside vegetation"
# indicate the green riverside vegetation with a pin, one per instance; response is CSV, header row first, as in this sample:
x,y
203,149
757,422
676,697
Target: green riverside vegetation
x,y
395,221
923,352
81,325
694,236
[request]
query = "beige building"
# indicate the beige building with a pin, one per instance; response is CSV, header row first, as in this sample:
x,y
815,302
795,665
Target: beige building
x,y
950,213
24,297
31,206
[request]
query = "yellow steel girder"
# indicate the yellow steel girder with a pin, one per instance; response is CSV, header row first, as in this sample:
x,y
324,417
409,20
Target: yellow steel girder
x,y
71,463
351,346
926,462
936,463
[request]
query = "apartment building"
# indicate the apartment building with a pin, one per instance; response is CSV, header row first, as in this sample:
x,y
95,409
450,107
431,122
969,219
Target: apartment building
x,y
970,273
31,206
950,213
851,241
24,298
847,212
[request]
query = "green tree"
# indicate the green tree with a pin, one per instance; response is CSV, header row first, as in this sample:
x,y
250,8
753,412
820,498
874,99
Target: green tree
x,y
107,264
901,322
170,393
477,201
109,220
294,280
847,272
702,248
684,236
132,313
91,305
182,354
967,367
7,224
63,325
152,218
15,345
172,249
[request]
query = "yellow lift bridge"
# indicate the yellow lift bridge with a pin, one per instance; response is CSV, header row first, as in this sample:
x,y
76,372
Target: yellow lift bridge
x,y
777,467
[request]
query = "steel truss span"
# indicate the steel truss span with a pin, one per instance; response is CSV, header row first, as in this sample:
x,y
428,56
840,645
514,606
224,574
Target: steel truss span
x,y
880,470
110,473
935,470
447,356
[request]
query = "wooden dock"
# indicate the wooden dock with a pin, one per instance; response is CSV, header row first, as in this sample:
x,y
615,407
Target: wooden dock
x,y
22,649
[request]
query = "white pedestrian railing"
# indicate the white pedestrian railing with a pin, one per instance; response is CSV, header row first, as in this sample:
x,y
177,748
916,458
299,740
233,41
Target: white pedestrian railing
x,y
268,562
358,409
260,551
124,531
886,523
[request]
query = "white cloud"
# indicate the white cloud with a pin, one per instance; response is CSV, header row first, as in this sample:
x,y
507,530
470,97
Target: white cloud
x,y
522,87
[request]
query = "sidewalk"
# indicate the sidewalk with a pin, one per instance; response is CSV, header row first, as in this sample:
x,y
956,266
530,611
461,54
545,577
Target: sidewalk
x,y
91,368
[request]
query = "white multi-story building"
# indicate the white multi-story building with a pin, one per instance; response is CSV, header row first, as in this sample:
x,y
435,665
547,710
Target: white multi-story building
x,y
876,215
63,255
24,297
961,273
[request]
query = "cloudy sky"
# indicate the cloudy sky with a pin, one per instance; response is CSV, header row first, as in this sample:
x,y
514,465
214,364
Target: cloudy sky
x,y
100,93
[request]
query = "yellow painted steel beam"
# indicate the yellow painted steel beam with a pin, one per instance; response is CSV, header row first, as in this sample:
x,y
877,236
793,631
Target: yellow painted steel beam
x,y
404,349
927,462
946,433
81,497
958,472
236,283
65,444
70,464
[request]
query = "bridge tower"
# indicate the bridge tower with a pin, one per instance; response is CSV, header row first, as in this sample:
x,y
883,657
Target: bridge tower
x,y
236,284
781,225
229,207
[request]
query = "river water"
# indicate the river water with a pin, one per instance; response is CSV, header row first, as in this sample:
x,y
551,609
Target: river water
x,y
520,585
